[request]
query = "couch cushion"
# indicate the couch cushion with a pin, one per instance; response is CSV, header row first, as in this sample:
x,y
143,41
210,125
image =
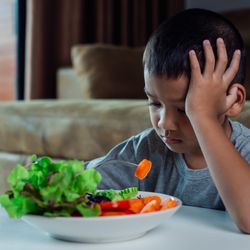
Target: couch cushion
x,y
107,71
82,129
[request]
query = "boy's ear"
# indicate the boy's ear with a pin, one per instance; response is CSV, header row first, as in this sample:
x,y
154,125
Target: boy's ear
x,y
238,105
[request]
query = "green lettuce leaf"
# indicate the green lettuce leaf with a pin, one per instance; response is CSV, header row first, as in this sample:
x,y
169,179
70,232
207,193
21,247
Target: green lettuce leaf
x,y
88,211
17,178
51,188
18,206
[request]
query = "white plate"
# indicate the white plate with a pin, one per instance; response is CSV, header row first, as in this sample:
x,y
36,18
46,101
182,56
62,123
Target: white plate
x,y
102,229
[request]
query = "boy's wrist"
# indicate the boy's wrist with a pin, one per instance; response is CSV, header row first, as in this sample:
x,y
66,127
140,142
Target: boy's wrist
x,y
202,118
204,126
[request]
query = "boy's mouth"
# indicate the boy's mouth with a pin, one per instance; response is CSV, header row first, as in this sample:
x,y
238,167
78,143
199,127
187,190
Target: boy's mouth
x,y
171,140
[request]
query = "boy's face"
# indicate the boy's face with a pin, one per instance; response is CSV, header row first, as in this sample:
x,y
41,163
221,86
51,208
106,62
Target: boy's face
x,y
167,113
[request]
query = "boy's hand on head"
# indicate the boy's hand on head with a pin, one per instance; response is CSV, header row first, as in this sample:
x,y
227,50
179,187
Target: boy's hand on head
x,y
208,95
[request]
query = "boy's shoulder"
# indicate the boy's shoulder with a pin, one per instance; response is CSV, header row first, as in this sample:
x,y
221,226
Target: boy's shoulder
x,y
148,135
239,131
240,138
148,132
147,141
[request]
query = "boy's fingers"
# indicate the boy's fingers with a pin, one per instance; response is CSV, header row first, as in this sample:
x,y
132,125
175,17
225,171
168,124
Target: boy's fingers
x,y
222,57
194,64
209,58
233,68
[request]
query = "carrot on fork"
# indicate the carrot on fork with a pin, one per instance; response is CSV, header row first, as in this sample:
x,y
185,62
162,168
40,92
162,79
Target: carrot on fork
x,y
143,169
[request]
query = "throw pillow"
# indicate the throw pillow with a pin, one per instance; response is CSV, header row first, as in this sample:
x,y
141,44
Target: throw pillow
x,y
108,71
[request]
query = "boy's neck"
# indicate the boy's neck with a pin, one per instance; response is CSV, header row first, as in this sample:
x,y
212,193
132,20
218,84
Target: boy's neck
x,y
195,161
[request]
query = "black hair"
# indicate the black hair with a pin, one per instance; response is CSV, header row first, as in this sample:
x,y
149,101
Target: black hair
x,y
166,53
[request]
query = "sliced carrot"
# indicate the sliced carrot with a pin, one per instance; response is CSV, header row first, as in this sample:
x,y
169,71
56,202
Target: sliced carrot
x,y
143,169
169,203
152,206
136,205
148,199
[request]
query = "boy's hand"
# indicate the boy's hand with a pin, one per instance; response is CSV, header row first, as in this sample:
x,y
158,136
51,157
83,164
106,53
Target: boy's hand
x,y
208,95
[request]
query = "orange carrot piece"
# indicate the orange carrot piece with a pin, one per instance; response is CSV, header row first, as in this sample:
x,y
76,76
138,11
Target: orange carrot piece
x,y
136,205
148,199
169,203
152,206
143,169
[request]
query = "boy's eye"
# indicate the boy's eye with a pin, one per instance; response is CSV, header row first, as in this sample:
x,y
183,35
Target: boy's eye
x,y
154,104
181,110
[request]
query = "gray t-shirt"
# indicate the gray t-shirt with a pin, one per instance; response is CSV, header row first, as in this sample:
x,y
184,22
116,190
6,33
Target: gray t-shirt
x,y
169,173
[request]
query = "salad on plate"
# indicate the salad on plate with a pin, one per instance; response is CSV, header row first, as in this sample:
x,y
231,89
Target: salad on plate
x,y
66,189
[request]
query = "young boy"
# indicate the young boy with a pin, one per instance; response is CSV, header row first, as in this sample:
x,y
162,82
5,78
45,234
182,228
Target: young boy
x,y
194,70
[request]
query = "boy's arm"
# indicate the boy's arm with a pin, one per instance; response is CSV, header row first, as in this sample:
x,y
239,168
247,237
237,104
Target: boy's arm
x,y
207,104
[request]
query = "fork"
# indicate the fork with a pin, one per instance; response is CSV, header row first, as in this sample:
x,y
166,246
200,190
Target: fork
x,y
115,161
130,164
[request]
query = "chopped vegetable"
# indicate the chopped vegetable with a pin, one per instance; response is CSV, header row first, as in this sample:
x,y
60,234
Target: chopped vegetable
x,y
136,205
143,169
128,193
115,205
148,199
96,198
152,206
169,203
118,195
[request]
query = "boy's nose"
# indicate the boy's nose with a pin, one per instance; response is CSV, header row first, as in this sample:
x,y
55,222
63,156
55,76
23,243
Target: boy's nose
x,y
167,121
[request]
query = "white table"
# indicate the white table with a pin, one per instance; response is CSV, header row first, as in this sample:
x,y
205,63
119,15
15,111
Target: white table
x,y
189,229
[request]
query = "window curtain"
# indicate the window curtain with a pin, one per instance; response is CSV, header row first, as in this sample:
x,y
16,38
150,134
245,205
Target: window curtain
x,y
20,24
53,27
